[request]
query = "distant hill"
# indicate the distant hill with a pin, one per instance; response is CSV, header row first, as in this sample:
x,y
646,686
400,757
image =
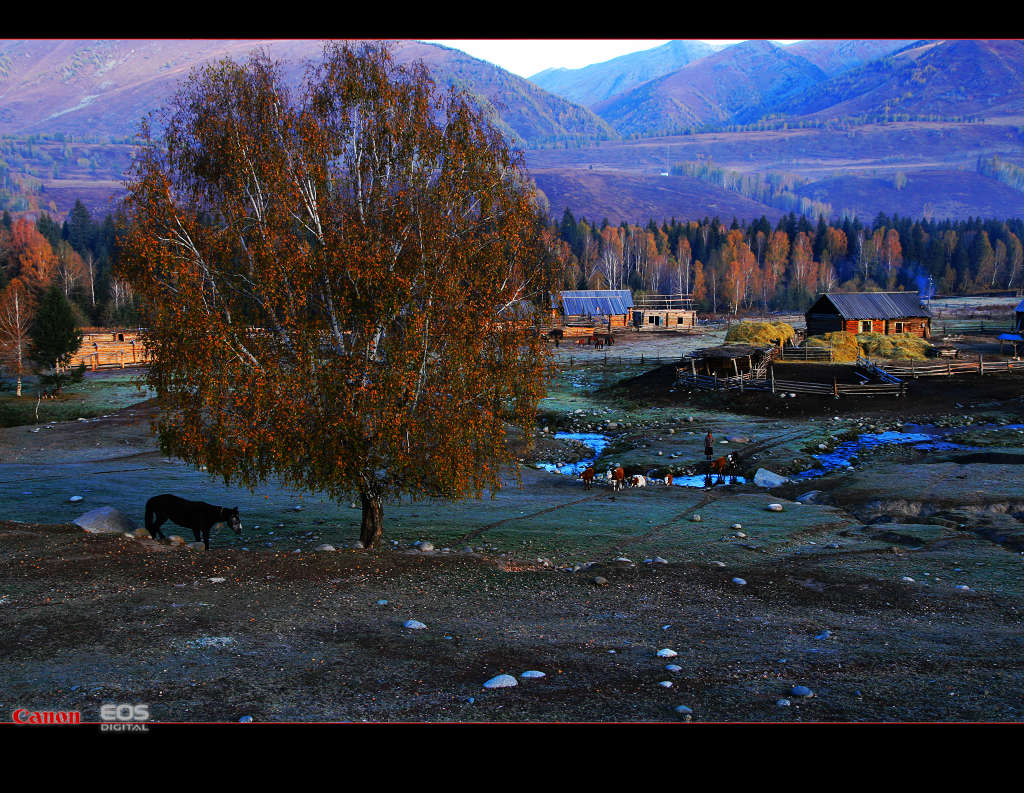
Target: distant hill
x,y
712,90
90,88
600,81
835,56
955,78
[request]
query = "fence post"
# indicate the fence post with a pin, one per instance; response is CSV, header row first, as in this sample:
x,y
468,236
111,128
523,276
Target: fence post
x,y
771,371
981,363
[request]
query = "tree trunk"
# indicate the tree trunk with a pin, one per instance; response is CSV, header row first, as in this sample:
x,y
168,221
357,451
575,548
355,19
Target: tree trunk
x,y
373,526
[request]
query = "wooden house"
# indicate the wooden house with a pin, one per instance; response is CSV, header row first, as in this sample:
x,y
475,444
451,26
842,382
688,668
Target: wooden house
x,y
869,312
664,312
609,307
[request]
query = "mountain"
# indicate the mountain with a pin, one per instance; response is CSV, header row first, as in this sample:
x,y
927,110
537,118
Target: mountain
x,y
595,83
955,78
94,88
710,91
835,56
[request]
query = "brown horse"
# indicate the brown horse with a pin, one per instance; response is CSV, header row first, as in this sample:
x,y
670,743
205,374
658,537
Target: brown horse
x,y
588,477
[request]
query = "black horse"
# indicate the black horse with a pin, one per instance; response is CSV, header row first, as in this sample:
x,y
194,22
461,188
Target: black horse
x,y
196,515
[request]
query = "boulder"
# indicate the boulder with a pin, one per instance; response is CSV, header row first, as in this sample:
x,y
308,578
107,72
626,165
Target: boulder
x,y
769,479
105,520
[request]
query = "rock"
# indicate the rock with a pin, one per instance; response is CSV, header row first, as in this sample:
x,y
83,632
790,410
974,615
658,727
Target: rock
x,y
673,668
659,560
811,497
782,703
532,674
682,710
775,507
801,691
176,540
325,547
245,719
414,625
737,525
501,681
716,563
765,478
426,546
824,635
695,518
106,520
217,580
600,580
196,546
739,581
907,579
741,535
738,439
297,508
357,544
963,587
382,602
667,653
665,683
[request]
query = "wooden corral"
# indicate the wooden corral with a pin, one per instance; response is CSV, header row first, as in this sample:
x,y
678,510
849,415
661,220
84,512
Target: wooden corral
x,y
869,312
114,348
728,360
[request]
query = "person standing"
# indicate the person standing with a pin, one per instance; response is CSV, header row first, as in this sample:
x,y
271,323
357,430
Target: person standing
x,y
709,446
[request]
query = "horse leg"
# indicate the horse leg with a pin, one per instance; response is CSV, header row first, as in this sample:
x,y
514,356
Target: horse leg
x,y
206,537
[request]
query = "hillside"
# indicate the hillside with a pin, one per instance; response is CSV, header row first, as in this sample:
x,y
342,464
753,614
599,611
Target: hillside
x,y
635,198
600,81
103,88
711,91
955,78
835,56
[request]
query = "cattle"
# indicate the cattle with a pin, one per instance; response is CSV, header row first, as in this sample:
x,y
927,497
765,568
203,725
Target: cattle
x,y
588,477
638,480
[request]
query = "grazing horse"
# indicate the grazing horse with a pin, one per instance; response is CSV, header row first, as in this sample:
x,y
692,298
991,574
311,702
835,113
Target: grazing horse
x,y
588,477
598,343
196,515
731,462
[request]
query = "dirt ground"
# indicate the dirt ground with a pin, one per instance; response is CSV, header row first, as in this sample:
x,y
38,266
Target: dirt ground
x,y
895,596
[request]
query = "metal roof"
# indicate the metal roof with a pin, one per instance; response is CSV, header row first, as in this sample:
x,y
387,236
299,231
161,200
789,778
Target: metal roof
x,y
596,302
874,305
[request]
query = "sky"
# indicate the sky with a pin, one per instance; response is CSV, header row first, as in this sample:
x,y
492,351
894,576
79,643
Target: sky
x,y
526,57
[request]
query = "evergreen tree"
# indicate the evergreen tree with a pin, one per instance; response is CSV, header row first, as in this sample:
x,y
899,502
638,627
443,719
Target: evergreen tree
x,y
55,338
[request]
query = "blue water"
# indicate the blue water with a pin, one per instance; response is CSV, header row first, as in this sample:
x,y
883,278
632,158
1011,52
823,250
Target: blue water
x,y
594,440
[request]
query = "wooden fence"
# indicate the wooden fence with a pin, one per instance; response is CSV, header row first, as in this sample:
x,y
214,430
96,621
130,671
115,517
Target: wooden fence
x,y
970,328
948,368
111,355
835,389
805,353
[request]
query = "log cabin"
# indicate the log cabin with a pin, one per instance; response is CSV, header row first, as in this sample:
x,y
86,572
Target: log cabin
x,y
869,312
609,307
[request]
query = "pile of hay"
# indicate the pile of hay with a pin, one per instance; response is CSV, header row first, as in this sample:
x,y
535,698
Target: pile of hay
x,y
847,346
759,333
844,345
901,346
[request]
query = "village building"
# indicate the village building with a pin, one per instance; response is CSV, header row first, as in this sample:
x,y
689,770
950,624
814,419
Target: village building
x,y
869,312
608,307
664,312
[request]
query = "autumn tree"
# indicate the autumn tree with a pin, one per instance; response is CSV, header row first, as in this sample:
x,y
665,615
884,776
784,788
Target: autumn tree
x,y
330,280
15,324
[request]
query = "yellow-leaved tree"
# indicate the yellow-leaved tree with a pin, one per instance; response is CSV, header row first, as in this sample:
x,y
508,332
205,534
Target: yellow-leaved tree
x,y
334,280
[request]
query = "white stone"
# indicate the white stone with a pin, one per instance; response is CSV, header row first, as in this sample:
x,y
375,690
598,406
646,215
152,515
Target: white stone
x,y
501,681
739,581
667,653
217,580
415,625
324,547
532,674
665,684
673,668
775,507
682,710
74,499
